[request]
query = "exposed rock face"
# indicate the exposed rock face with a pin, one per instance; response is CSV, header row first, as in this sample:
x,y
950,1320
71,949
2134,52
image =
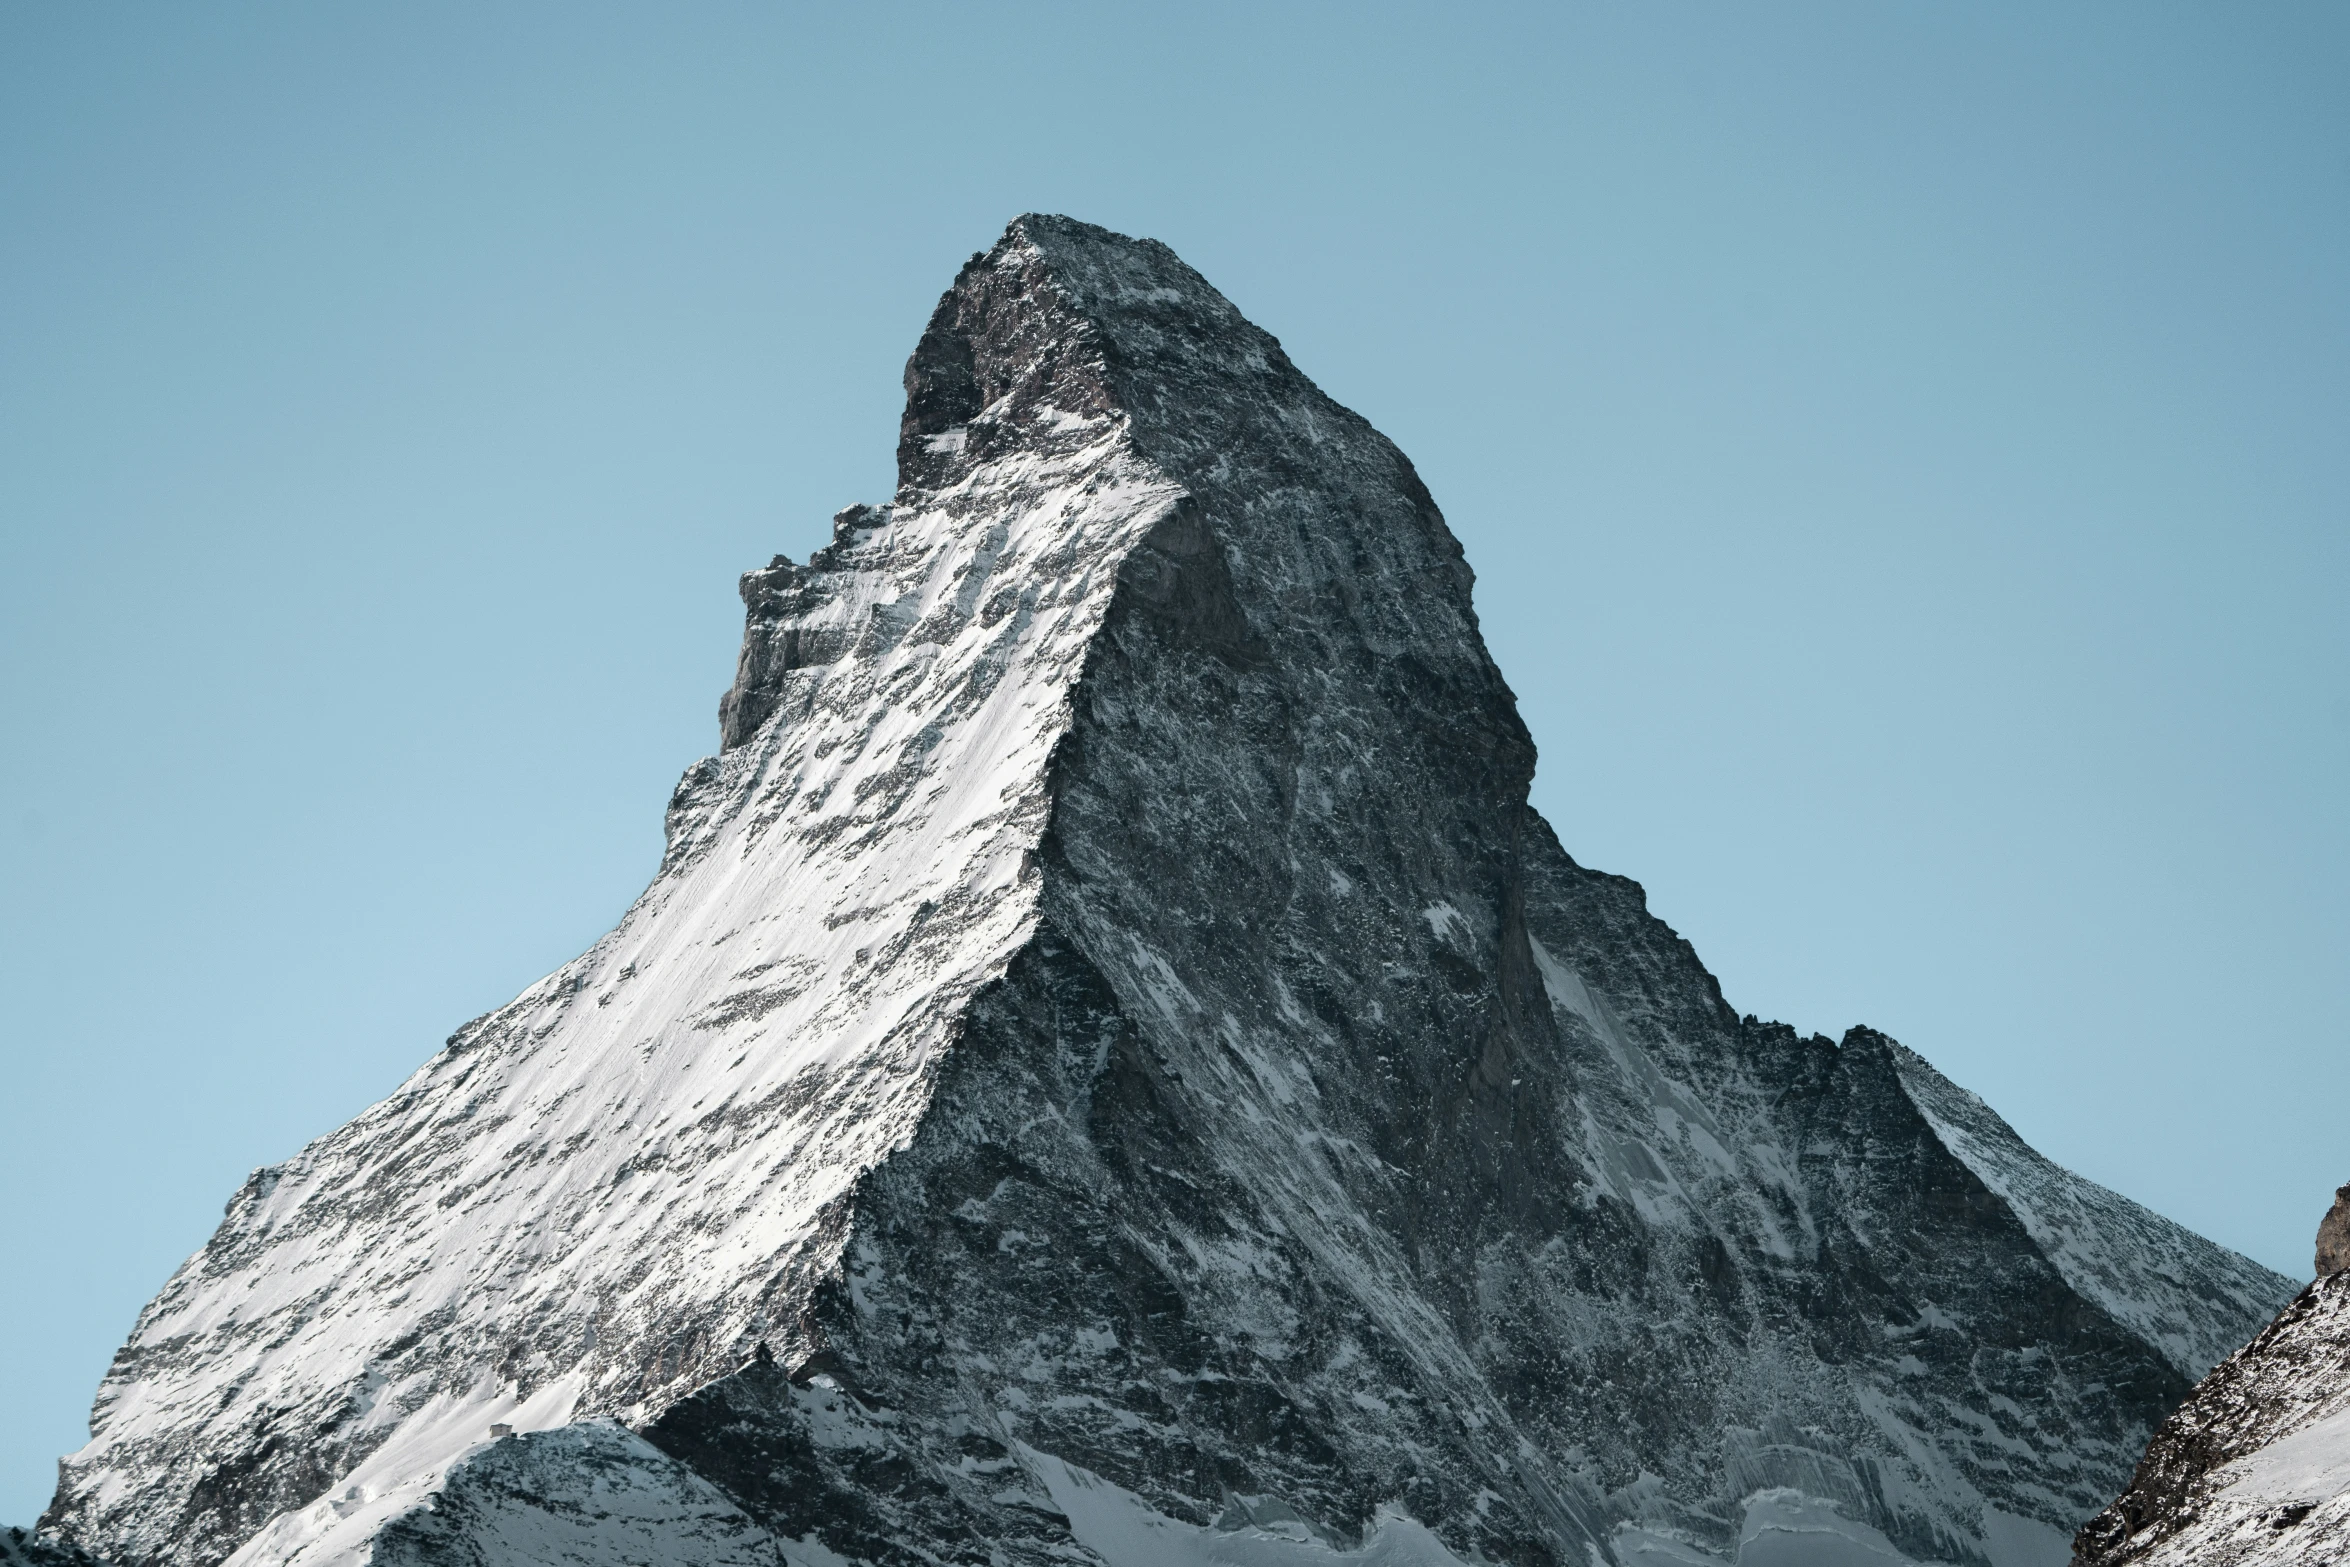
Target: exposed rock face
x,y
23,1548
1111,1067
588,1495
2254,1469
2333,1236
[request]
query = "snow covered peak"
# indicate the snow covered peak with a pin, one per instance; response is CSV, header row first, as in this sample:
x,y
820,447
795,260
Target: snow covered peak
x,y
1062,320
1112,1068
626,1181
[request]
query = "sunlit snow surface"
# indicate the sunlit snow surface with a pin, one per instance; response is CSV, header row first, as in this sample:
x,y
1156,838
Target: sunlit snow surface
x,y
615,1177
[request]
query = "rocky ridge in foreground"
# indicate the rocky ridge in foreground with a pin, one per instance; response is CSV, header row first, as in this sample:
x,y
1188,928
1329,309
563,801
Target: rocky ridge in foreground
x,y
1111,1068
2253,1470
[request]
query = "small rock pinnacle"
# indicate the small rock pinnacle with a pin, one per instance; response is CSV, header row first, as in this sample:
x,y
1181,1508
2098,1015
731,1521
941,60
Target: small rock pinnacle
x,y
2333,1236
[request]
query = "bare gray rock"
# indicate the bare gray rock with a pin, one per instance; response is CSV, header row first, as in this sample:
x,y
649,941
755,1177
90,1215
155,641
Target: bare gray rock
x,y
2333,1236
25,1548
587,1495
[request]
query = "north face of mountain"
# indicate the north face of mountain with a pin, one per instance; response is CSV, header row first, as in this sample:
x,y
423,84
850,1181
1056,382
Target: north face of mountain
x,y
1112,1068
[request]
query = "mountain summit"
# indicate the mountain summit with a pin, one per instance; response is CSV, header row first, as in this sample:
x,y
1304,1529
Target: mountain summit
x,y
1111,1068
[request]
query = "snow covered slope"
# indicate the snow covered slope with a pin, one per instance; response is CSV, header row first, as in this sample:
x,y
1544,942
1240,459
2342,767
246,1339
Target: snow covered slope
x,y
1112,1067
2254,1469
2151,1275
623,1183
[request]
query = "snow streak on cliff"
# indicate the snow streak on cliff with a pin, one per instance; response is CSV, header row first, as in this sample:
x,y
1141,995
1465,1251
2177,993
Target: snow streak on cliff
x,y
1111,1068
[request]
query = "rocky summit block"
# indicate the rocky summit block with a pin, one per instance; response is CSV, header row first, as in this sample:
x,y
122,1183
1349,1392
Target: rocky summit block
x,y
1111,1068
2333,1236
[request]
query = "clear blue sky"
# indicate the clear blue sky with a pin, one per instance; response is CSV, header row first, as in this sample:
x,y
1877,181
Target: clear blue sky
x,y
1903,449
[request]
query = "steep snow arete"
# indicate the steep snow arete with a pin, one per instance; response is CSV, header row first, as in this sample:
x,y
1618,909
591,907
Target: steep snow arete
x,y
1111,1068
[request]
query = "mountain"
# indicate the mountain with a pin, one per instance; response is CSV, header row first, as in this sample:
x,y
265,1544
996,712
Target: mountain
x,y
2253,1470
1111,1068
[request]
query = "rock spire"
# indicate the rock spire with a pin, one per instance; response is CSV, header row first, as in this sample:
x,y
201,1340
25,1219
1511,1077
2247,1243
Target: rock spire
x,y
2333,1236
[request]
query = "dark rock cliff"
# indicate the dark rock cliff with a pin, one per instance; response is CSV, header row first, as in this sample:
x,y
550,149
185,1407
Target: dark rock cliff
x,y
23,1548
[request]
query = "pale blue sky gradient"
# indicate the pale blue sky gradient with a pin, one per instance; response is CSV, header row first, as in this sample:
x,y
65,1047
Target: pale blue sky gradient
x,y
1902,448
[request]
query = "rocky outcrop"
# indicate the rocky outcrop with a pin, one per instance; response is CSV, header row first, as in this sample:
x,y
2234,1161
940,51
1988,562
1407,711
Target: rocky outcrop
x,y
2333,1236
1112,1068
586,1495
2253,1470
24,1548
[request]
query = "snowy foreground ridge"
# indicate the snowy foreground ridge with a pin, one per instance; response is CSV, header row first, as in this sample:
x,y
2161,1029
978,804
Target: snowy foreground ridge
x,y
2254,1469
1111,1069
